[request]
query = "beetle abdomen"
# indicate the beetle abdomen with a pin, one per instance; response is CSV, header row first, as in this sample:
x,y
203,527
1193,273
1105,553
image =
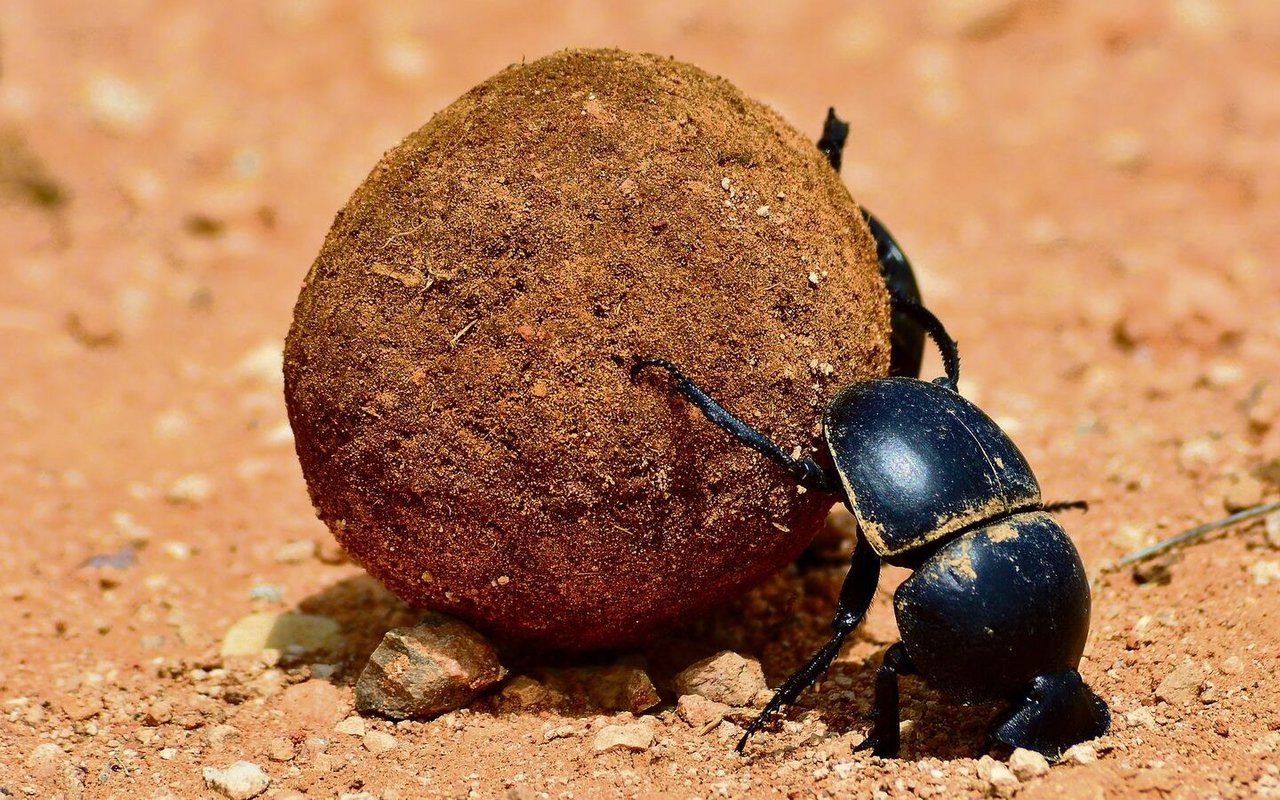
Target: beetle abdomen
x,y
996,607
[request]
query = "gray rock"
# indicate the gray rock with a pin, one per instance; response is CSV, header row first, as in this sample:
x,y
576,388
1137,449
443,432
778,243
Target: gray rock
x,y
438,665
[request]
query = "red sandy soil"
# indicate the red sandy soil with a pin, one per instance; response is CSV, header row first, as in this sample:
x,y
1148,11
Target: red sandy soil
x,y
1089,196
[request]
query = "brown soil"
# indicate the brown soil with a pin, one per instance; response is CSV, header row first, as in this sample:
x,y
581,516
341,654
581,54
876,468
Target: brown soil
x,y
1088,194
457,374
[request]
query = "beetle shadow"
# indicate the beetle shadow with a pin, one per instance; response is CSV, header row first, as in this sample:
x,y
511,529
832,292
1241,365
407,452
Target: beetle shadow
x,y
780,623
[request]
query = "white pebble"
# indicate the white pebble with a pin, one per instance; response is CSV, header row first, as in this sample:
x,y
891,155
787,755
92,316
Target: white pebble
x,y
192,489
118,106
240,781
1028,764
379,742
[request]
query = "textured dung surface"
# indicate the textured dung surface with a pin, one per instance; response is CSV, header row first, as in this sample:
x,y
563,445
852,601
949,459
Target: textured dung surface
x,y
456,374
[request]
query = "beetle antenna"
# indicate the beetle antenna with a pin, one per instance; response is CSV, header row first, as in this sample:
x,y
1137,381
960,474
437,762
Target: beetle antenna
x,y
1200,530
937,332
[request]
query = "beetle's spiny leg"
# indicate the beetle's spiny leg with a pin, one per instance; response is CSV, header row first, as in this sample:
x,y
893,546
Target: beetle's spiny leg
x,y
807,472
855,598
1066,505
938,332
802,679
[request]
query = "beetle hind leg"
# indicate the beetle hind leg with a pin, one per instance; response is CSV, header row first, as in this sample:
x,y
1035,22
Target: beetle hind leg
x,y
1056,712
884,739
855,598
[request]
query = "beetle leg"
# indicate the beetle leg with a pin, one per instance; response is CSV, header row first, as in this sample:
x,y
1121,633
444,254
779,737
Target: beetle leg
x,y
834,133
855,598
1066,505
884,738
807,472
937,331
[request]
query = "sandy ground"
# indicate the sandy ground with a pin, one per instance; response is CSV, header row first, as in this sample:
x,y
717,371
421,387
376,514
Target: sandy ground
x,y
1089,196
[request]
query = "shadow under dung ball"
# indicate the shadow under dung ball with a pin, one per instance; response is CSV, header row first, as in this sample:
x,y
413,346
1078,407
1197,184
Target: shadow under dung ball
x,y
457,370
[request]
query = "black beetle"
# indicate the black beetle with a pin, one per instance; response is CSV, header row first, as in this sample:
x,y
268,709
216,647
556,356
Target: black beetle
x,y
998,604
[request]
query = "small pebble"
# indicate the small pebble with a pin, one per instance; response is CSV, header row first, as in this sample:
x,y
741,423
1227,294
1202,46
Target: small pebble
x,y
193,489
1000,780
611,688
1272,525
351,726
699,712
559,732
1081,754
117,105
636,736
295,552
240,781
215,736
1028,764
1141,716
1264,572
525,693
266,592
1243,491
44,759
1124,149
1181,687
726,677
379,742
280,749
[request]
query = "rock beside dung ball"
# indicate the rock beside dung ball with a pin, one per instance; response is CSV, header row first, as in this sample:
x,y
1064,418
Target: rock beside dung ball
x,y
436,666
457,370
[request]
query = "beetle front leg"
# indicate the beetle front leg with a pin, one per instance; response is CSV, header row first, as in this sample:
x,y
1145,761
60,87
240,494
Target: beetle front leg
x,y
855,598
807,472
884,739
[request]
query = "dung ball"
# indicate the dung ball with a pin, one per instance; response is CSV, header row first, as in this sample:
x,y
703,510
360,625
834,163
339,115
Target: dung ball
x,y
457,370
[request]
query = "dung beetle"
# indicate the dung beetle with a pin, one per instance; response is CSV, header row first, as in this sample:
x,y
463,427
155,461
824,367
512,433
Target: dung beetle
x,y
997,605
